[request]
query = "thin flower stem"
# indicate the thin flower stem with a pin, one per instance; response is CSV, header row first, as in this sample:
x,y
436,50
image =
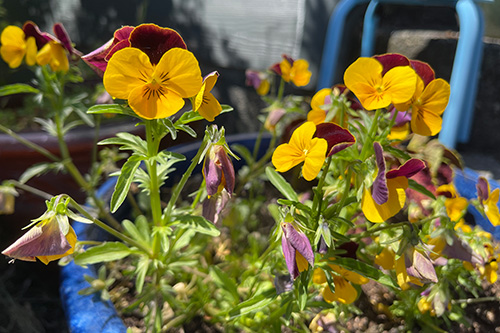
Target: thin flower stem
x,y
347,188
319,192
30,144
35,191
476,300
106,227
371,136
281,90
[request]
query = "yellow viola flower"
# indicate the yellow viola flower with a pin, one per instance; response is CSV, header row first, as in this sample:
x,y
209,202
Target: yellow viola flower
x,y
53,54
204,102
302,148
374,90
16,47
455,205
153,91
489,200
296,71
489,271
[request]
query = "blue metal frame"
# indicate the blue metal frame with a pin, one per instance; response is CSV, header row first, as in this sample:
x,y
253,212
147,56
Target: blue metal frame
x,y
457,119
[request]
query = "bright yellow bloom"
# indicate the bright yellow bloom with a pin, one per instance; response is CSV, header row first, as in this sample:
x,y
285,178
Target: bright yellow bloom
x,y
153,91
489,271
397,197
15,47
302,148
491,207
404,280
297,72
385,259
424,305
54,54
204,102
374,90
455,205
399,132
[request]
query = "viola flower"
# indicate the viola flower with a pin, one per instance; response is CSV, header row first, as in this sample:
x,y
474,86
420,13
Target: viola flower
x,y
375,89
428,102
455,205
204,102
489,200
16,46
401,128
319,102
53,54
414,267
297,250
218,171
153,90
50,239
388,196
273,118
302,148
337,137
345,292
259,81
296,71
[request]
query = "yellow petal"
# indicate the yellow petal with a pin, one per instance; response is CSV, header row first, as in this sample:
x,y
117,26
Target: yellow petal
x,y
59,59
344,293
404,280
385,259
425,123
319,276
364,79
181,70
43,56
286,156
71,238
349,275
198,99
315,158
399,132
400,82
210,107
318,99
13,45
154,105
302,263
491,207
455,208
435,96
127,69
263,88
379,213
299,73
316,116
301,137
31,51
285,68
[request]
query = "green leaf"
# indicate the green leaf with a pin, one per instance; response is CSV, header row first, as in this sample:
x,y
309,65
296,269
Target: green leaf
x,y
141,270
253,304
39,169
224,282
124,180
198,224
366,270
296,204
17,88
245,153
108,251
127,141
132,231
111,108
281,184
420,188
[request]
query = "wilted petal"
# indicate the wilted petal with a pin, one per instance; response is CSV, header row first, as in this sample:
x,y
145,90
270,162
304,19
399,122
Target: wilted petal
x,y
289,254
213,206
292,243
380,193
421,267
337,137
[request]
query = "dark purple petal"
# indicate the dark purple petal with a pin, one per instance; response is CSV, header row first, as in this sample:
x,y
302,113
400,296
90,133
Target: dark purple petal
x,y
289,254
380,192
408,169
63,37
423,70
401,118
212,173
31,30
338,138
391,60
227,169
155,41
322,247
482,189
351,248
299,242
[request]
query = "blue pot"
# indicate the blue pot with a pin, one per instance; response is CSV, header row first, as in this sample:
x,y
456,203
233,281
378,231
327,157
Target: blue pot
x,y
89,313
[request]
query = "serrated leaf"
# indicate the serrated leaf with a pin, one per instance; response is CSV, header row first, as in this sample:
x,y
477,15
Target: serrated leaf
x,y
420,188
224,282
105,252
124,181
17,88
198,224
281,184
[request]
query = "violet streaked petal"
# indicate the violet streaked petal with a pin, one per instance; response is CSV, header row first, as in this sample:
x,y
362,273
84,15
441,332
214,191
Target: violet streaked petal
x,y
155,41
227,169
391,60
289,254
299,242
212,207
408,169
380,192
212,173
422,268
423,70
482,189
338,138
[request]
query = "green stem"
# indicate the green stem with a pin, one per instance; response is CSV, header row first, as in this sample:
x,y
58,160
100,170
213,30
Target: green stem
x,y
30,144
371,136
281,90
476,300
153,174
35,191
317,203
106,227
347,188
